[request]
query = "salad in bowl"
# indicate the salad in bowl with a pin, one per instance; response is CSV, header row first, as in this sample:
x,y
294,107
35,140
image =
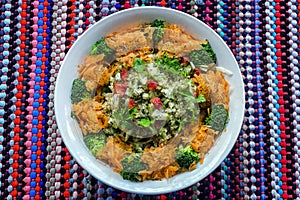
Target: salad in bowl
x,y
149,100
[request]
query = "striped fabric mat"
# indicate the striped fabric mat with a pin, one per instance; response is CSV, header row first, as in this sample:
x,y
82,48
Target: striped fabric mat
x,y
34,39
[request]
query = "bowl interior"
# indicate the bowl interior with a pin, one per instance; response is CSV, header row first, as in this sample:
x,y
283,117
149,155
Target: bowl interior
x,y
72,135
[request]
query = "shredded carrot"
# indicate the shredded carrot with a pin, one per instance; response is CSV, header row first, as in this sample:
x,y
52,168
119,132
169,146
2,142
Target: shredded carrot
x,y
105,75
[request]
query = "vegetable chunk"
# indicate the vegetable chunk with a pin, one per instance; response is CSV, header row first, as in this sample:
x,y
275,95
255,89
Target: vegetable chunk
x,y
186,156
94,142
217,118
132,164
79,91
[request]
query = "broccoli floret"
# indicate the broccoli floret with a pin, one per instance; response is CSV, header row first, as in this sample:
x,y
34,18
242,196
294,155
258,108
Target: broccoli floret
x,y
217,118
79,91
158,34
132,164
185,156
94,142
204,56
169,63
101,47
210,51
159,23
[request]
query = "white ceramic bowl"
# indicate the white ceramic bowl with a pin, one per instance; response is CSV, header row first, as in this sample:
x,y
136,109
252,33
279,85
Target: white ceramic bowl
x,y
72,135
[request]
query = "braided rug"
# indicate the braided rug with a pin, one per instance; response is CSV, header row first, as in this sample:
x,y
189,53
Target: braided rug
x,y
34,39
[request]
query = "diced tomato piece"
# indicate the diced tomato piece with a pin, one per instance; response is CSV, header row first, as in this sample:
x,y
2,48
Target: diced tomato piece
x,y
124,74
185,59
131,103
156,102
152,85
197,71
120,88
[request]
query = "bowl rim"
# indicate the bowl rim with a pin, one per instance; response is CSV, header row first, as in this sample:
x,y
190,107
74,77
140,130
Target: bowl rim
x,y
133,189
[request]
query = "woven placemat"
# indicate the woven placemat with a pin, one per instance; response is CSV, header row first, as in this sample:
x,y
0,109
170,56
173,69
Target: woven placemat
x,y
34,39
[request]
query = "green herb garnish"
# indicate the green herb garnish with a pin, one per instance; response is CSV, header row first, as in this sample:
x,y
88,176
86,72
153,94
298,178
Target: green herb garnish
x,y
145,122
200,98
138,65
133,111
